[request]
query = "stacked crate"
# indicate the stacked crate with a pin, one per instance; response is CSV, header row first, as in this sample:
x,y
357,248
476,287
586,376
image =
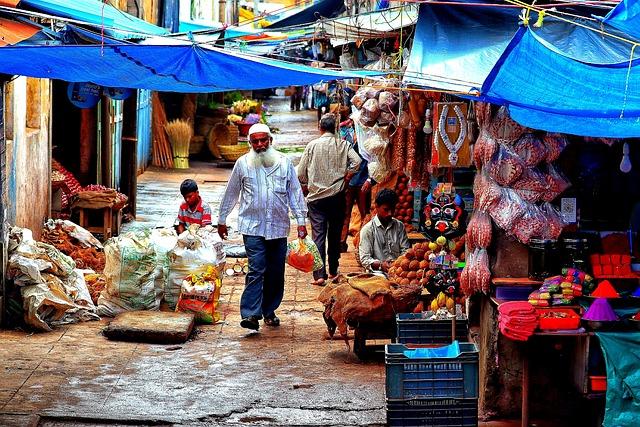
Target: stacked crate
x,y
431,391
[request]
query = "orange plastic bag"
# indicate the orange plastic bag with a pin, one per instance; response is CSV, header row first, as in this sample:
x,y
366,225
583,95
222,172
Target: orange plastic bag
x,y
303,255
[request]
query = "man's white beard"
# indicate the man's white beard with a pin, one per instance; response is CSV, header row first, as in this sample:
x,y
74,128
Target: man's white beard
x,y
266,159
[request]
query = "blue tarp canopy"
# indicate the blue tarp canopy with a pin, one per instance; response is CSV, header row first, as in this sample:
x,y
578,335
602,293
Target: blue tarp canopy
x,y
97,13
311,13
561,79
177,68
456,46
625,17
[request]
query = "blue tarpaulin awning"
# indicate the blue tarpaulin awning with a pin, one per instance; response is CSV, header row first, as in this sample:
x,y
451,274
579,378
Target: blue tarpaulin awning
x,y
170,68
580,91
97,13
456,46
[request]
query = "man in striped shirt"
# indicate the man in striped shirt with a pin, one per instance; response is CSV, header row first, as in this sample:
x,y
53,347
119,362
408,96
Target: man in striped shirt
x,y
266,184
193,210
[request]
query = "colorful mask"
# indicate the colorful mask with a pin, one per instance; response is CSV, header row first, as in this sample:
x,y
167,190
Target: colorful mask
x,y
444,213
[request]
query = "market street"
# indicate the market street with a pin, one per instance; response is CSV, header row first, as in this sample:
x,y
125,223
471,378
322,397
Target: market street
x,y
289,375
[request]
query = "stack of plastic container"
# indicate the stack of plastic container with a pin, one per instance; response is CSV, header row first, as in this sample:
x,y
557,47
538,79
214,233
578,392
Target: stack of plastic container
x,y
435,386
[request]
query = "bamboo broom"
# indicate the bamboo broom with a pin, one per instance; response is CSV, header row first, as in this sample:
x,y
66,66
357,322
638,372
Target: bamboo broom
x,y
161,150
180,133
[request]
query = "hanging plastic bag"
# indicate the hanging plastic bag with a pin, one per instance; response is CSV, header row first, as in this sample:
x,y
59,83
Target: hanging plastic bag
x,y
504,129
530,149
486,192
303,255
479,230
505,166
557,183
555,222
531,186
507,210
531,224
555,143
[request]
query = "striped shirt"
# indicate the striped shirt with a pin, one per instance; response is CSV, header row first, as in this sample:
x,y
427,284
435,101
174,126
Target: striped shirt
x,y
200,215
324,164
265,194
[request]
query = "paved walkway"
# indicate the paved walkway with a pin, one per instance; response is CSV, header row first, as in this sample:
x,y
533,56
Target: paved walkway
x,y
223,376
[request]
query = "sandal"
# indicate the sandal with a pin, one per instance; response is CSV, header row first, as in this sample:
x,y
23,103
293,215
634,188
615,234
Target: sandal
x,y
319,282
273,321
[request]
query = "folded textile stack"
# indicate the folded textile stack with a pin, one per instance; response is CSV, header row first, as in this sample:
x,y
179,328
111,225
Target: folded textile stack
x,y
517,320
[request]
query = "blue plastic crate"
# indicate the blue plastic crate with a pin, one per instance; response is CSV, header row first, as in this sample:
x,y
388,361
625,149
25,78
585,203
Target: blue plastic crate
x,y
439,412
431,377
413,328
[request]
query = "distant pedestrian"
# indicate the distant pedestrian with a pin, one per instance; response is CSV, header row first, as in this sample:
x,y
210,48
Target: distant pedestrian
x,y
194,210
358,189
266,184
296,98
325,165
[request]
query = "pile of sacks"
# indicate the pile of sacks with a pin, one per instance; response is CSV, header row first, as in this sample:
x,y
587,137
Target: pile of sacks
x,y
52,289
518,320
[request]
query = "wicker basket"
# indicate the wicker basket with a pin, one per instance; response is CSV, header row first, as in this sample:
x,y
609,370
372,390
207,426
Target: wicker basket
x,y
197,143
232,137
232,153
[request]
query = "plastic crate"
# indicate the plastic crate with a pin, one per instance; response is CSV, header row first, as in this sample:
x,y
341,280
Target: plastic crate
x,y
431,377
433,412
413,328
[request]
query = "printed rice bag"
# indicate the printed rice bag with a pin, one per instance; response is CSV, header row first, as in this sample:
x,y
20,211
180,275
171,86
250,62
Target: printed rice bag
x,y
199,294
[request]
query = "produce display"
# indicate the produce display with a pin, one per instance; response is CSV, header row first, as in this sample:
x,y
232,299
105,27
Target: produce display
x,y
404,210
431,265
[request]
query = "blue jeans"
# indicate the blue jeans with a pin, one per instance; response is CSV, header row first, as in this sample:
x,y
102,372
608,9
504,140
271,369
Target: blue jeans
x,y
264,284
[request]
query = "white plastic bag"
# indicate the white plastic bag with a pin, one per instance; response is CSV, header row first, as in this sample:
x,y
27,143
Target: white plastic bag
x,y
196,251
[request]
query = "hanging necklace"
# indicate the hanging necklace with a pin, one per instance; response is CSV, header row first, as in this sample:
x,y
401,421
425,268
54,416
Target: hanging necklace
x,y
453,148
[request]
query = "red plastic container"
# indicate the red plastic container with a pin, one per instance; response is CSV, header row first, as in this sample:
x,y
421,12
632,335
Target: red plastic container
x,y
556,323
598,383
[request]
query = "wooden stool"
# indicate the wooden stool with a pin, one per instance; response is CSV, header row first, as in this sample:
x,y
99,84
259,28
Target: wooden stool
x,y
106,229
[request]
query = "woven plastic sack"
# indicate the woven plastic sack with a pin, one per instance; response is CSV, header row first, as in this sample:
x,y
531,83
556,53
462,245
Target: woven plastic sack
x,y
303,255
130,273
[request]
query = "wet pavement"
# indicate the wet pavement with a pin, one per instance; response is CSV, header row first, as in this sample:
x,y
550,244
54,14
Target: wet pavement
x,y
291,375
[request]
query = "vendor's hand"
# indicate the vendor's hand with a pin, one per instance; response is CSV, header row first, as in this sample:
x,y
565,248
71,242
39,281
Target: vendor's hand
x,y
366,187
305,190
222,231
385,266
302,231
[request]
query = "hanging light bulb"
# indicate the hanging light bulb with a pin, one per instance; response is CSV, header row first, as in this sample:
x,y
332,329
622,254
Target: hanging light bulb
x,y
625,164
427,122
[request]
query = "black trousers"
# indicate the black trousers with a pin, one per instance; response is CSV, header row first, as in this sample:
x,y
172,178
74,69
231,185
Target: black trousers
x,y
326,217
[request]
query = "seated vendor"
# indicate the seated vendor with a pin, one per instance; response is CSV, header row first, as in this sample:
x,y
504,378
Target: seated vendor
x,y
383,239
193,210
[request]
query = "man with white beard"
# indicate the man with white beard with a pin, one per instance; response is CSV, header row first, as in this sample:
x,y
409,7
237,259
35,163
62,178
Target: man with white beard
x,y
266,184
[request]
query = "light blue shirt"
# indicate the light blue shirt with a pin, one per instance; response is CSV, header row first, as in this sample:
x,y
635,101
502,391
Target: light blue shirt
x,y
265,194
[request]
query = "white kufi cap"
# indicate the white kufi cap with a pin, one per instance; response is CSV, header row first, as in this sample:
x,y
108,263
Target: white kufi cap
x,y
259,128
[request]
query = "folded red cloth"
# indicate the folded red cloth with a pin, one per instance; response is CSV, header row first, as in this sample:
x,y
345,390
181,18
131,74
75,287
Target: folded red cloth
x,y
515,334
516,307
